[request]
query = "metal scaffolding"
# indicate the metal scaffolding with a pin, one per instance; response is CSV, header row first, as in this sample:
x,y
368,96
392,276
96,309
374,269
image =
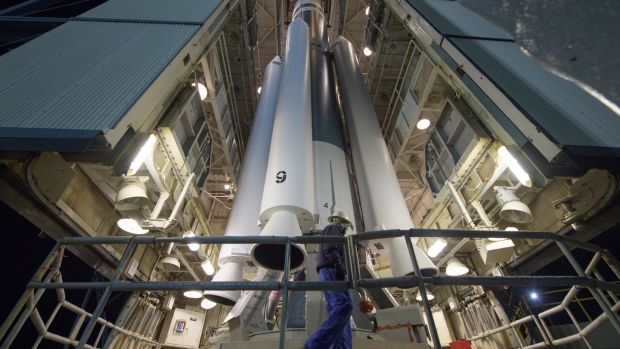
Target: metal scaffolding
x,y
48,277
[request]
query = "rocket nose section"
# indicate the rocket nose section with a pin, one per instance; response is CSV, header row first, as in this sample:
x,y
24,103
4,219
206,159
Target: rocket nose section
x,y
272,255
231,271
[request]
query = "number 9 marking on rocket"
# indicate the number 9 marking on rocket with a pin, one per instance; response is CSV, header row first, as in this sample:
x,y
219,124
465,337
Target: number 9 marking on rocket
x,y
280,177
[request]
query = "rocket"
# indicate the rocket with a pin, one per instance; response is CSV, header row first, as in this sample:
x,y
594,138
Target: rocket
x,y
288,196
246,207
383,204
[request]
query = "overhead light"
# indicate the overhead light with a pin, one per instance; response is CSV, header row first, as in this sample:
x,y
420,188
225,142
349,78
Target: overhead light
x,y
132,194
498,245
456,268
429,295
131,226
194,294
367,51
170,263
514,166
193,246
207,266
423,124
507,229
367,10
202,90
533,295
226,186
436,247
146,149
207,304
512,209
260,88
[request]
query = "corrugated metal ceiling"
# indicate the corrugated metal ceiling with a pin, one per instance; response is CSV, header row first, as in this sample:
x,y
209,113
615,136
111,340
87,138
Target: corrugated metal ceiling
x,y
79,79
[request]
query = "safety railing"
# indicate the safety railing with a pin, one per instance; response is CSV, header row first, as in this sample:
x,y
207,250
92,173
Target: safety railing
x,y
46,277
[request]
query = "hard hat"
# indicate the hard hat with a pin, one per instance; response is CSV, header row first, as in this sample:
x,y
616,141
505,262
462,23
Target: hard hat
x,y
340,216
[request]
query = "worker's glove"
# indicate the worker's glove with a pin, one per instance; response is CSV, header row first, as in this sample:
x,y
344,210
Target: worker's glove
x,y
341,271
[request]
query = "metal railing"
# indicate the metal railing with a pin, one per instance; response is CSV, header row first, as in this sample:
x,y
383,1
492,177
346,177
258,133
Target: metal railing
x,y
46,278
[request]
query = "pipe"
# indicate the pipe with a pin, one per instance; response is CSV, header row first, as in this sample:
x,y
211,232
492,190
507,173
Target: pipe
x,y
288,196
246,207
383,205
178,204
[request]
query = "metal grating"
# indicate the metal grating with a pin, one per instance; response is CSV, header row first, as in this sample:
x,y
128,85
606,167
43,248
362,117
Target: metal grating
x,y
80,80
559,107
197,11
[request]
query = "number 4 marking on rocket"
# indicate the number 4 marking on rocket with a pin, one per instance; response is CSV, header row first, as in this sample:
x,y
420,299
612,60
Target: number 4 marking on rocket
x,y
280,177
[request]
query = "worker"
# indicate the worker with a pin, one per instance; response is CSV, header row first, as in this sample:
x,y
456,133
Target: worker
x,y
335,331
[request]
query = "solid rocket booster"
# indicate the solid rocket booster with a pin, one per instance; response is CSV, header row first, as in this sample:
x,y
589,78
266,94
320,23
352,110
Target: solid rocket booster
x,y
244,215
332,189
382,201
288,197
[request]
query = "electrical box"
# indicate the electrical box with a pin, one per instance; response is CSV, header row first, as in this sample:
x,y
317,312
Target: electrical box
x,y
402,324
182,328
493,252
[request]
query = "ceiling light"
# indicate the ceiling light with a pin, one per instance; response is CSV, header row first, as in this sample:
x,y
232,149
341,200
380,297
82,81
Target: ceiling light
x,y
498,245
194,294
207,266
170,263
436,247
367,51
430,296
512,209
367,10
131,226
260,88
207,304
132,195
514,166
193,246
202,90
226,186
534,295
456,268
147,148
423,124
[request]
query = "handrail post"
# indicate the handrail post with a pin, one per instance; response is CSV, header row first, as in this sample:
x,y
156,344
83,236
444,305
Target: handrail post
x,y
106,294
611,315
422,290
287,266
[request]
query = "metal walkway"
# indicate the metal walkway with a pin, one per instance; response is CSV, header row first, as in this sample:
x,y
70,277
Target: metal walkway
x,y
48,277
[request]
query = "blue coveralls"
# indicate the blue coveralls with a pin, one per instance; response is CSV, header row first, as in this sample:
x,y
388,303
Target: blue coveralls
x,y
335,331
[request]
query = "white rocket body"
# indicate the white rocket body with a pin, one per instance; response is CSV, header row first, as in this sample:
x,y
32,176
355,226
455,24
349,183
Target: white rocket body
x,y
382,201
288,197
244,215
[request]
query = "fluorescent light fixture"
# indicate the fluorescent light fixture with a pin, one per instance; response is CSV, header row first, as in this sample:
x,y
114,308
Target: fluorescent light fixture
x,y
533,295
430,296
131,226
207,304
194,294
226,186
146,149
436,247
202,90
423,124
194,246
456,268
207,266
367,10
367,51
514,166
259,89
